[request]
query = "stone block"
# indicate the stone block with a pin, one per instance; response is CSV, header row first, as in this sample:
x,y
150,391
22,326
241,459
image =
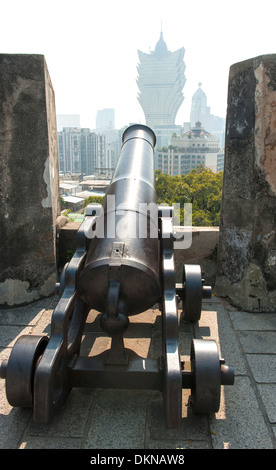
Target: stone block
x,y
29,193
246,271
202,251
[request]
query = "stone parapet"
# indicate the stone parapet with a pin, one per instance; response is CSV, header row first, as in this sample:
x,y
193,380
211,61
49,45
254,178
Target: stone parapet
x,y
203,249
247,245
29,193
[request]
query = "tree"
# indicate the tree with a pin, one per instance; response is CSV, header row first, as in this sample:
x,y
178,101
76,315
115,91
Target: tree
x,y
62,203
201,187
171,189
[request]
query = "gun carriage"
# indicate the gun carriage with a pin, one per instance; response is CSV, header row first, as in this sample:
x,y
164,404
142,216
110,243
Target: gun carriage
x,y
122,266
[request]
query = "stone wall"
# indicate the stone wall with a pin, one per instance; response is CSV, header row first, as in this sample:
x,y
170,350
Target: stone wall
x,y
203,250
247,246
29,193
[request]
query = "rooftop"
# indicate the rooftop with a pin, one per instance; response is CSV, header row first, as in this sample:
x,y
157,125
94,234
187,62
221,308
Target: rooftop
x,y
198,132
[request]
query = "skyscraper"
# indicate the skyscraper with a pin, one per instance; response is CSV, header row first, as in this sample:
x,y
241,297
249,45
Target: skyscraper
x,y
202,113
105,119
161,80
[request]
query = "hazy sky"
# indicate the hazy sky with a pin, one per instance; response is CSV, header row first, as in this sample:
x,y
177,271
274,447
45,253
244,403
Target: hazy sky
x,y
91,47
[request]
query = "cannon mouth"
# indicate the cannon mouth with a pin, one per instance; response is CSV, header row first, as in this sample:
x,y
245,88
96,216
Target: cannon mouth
x,y
139,131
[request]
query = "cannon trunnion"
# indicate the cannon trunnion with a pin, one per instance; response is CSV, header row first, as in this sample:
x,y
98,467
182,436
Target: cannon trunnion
x,y
123,265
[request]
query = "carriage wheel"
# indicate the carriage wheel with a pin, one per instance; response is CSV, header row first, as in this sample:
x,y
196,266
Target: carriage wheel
x,y
20,369
206,367
192,300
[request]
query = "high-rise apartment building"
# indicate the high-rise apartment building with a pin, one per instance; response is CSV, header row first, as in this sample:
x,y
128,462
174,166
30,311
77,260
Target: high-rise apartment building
x,y
81,151
160,81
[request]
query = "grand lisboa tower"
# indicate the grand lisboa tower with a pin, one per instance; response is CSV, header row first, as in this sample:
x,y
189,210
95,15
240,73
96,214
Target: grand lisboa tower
x,y
160,81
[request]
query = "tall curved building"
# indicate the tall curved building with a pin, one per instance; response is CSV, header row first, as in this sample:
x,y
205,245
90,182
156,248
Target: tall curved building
x,y
160,81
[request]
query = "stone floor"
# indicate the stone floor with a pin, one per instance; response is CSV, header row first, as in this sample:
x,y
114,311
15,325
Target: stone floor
x,y
129,419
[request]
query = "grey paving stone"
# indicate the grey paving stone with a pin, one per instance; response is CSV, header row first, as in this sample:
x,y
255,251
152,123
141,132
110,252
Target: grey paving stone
x,y
240,425
177,444
72,419
28,314
193,427
91,419
185,340
263,367
50,443
9,334
44,324
215,324
118,420
268,394
262,342
253,321
13,422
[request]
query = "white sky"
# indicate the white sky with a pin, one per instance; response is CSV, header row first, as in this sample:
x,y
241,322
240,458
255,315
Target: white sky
x,y
91,47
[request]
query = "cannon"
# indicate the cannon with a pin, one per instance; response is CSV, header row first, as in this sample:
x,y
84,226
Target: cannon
x,y
122,266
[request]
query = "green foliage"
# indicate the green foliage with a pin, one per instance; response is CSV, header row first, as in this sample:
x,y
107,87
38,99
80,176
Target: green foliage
x,y
62,202
66,214
201,187
92,200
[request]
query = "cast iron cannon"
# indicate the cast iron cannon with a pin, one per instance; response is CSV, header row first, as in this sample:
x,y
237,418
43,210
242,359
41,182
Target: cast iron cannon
x,y
122,266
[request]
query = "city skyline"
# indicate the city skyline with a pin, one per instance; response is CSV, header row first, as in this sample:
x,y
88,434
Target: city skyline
x,y
91,48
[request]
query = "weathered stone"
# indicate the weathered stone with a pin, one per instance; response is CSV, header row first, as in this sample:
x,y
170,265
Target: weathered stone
x,y
61,221
29,193
246,271
202,251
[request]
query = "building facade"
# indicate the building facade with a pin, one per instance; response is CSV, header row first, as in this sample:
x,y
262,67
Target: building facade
x,y
81,151
194,148
160,81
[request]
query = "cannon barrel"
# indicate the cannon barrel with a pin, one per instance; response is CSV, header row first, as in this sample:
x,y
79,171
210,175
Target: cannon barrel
x,y
122,265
